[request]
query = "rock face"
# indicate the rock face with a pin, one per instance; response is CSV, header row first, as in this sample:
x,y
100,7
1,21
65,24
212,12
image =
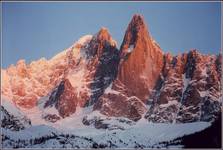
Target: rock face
x,y
140,65
63,98
106,60
138,79
26,83
142,60
95,69
189,90
116,104
80,75
86,74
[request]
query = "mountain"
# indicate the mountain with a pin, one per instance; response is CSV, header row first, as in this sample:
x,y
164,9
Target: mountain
x,y
182,88
85,68
93,89
87,77
140,65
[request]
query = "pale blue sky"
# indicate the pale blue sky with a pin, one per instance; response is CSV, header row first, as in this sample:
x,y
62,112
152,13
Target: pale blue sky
x,y
34,30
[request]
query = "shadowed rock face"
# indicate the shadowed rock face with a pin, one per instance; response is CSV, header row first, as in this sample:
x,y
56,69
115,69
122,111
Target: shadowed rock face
x,y
105,62
219,66
11,122
208,138
63,98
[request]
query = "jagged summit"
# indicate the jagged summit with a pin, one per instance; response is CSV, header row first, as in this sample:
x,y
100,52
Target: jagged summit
x,y
141,62
135,30
137,20
103,30
142,59
103,35
117,83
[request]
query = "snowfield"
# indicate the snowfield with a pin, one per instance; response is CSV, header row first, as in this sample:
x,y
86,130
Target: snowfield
x,y
143,133
71,132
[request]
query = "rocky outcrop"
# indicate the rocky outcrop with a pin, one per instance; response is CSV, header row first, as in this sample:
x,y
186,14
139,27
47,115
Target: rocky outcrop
x,y
11,122
26,83
105,122
118,105
63,99
106,60
189,90
51,118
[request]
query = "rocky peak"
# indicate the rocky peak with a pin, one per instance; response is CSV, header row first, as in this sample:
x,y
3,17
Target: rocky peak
x,y
141,59
139,69
21,62
22,69
192,58
104,38
101,42
103,35
136,32
137,19
105,62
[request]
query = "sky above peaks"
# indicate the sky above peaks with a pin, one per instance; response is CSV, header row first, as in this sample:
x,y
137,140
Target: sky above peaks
x,y
31,30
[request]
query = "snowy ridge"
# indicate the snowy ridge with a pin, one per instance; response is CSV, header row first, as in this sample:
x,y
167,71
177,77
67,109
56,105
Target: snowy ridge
x,y
84,40
32,81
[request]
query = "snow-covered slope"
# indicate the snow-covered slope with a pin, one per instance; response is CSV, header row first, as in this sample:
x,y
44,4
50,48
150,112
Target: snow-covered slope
x,y
70,132
12,117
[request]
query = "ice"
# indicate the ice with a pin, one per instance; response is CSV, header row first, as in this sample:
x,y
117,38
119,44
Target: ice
x,y
203,93
173,102
130,49
110,90
186,82
78,80
84,40
204,72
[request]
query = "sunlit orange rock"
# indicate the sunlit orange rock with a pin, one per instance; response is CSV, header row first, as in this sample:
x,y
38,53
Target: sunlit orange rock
x,y
142,60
